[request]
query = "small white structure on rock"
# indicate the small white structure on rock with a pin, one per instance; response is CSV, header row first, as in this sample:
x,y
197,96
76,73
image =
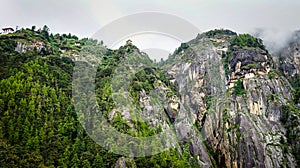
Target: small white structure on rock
x,y
249,75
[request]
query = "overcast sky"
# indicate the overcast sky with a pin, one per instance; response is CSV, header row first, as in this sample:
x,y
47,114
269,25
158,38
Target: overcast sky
x,y
85,17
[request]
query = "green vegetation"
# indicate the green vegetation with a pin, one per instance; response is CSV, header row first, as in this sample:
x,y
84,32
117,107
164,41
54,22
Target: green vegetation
x,y
208,101
295,82
272,97
272,74
216,32
296,96
247,41
225,60
290,118
215,43
251,66
242,41
38,123
238,88
225,116
227,70
183,46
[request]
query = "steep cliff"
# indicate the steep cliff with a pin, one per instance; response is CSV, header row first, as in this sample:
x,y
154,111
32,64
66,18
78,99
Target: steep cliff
x,y
242,124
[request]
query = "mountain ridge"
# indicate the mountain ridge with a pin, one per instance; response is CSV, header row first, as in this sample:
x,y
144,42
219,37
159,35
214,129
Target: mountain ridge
x,y
230,103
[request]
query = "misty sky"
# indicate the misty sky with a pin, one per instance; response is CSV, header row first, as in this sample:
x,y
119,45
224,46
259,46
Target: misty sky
x,y
85,17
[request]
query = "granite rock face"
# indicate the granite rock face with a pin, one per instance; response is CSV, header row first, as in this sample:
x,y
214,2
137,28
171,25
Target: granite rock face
x,y
245,61
234,105
37,46
288,58
243,130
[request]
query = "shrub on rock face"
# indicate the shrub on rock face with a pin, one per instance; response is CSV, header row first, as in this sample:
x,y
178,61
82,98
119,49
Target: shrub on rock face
x,y
271,74
238,88
215,32
246,40
182,47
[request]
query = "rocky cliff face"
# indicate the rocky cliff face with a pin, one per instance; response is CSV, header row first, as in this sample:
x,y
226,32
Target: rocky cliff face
x,y
23,48
288,59
242,124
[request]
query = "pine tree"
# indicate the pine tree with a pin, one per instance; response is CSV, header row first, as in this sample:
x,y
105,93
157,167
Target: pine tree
x,y
98,162
26,134
75,162
86,164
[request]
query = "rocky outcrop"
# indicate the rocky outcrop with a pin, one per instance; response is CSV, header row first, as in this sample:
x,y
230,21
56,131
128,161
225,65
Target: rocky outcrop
x,y
236,130
123,162
22,48
246,61
250,131
254,124
288,58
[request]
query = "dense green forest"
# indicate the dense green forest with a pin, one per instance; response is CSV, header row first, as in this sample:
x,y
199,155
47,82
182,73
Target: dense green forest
x,y
38,124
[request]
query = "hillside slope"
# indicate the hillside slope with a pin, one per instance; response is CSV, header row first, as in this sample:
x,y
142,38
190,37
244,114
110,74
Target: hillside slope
x,y
221,100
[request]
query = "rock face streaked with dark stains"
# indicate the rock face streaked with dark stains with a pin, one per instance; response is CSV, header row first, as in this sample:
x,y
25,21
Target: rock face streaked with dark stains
x,y
288,58
237,129
234,104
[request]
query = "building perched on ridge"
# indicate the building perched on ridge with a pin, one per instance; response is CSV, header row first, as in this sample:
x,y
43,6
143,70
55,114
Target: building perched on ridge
x,y
7,30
